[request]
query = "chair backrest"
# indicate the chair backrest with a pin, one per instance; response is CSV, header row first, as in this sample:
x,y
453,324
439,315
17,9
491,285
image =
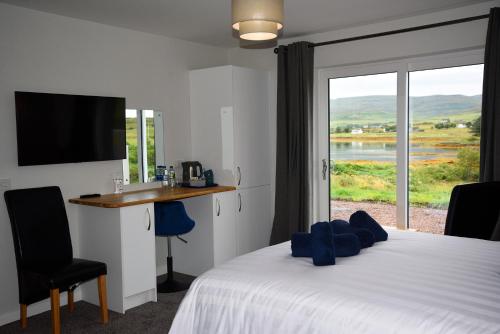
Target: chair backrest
x,y
474,210
39,227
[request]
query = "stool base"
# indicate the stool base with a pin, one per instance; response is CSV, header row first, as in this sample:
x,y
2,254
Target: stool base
x,y
169,286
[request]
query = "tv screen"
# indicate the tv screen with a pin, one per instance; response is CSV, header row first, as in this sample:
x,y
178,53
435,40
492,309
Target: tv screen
x,y
58,128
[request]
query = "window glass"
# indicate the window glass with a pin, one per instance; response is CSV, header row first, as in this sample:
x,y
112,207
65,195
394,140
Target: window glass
x,y
131,166
444,126
144,145
149,145
363,146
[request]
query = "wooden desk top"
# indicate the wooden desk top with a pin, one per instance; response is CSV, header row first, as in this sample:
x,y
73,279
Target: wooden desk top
x,y
147,196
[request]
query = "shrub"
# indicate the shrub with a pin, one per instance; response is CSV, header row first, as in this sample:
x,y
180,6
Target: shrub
x,y
468,164
475,128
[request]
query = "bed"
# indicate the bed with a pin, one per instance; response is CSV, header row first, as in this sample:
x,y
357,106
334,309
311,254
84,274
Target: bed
x,y
412,283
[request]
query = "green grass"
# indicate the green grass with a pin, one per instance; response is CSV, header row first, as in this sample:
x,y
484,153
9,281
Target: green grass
x,y
430,182
424,132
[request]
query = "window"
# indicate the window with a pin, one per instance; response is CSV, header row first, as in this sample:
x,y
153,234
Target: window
x,y
363,145
144,133
400,136
444,124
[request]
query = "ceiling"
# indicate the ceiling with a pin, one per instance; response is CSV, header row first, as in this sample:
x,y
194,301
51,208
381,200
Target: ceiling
x,y
208,21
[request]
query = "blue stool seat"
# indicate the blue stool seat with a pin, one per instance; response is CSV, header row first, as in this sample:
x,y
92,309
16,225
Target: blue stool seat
x,y
171,219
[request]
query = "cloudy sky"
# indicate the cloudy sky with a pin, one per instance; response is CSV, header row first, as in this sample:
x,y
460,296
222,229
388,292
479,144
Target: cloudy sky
x,y
464,80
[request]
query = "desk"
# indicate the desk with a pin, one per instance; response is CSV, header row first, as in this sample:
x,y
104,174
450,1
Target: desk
x,y
119,229
148,196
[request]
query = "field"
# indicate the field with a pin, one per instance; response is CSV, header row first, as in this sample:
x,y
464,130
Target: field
x,y
431,179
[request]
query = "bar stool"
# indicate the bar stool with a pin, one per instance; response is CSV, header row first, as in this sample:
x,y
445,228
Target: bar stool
x,y
171,220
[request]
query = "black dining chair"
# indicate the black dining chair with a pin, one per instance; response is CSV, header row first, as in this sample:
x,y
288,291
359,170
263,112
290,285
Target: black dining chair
x,y
44,253
474,210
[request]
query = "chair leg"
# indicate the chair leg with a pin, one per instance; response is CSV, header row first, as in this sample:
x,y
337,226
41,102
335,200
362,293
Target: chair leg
x,y
55,313
103,301
24,316
71,301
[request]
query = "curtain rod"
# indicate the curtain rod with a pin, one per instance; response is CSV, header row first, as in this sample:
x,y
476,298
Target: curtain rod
x,y
399,31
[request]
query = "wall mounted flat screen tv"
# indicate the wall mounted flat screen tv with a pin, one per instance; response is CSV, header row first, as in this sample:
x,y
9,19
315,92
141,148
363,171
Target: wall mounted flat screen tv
x,y
58,128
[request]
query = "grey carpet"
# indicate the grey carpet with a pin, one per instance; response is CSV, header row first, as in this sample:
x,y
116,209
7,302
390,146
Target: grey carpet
x,y
148,318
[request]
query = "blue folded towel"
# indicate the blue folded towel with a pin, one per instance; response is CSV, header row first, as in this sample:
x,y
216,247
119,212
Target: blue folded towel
x,y
364,220
366,237
323,249
346,244
301,244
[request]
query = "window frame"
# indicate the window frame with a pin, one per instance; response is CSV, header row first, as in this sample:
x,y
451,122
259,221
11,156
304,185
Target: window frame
x,y
403,67
142,161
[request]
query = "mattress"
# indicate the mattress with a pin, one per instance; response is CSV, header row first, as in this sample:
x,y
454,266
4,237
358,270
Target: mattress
x,y
412,283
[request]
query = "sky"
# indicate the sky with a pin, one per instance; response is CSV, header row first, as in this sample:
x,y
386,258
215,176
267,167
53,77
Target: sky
x,y
464,80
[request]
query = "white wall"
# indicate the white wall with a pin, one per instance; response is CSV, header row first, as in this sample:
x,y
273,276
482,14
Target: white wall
x,y
50,53
452,38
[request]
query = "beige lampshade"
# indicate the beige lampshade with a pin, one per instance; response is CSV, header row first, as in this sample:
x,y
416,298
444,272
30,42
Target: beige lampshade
x,y
257,20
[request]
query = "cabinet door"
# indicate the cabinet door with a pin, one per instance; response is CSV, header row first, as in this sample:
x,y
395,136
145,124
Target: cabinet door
x,y
224,226
211,101
253,217
251,121
138,248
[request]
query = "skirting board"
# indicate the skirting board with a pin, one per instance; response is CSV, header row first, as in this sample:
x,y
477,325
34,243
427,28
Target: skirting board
x,y
36,308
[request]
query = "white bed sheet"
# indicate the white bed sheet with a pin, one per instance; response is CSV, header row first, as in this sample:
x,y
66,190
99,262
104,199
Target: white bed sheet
x,y
412,283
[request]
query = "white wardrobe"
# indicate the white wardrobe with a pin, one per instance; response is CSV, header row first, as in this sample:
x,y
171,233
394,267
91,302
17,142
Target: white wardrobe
x,y
230,135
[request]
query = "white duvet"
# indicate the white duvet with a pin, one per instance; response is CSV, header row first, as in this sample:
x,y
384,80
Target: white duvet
x,y
412,283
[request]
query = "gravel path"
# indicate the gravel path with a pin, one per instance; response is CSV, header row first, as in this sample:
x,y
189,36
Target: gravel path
x,y
421,219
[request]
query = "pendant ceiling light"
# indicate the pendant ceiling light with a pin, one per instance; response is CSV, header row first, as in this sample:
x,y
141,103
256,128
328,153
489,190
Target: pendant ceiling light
x,y
257,20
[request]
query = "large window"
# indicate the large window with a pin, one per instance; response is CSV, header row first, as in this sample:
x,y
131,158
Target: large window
x,y
144,133
400,136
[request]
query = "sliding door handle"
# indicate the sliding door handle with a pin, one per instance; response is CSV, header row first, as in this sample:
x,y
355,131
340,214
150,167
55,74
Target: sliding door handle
x,y
239,197
325,169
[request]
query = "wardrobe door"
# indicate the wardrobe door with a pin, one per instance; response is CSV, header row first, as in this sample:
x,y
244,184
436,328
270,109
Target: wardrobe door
x,y
224,218
253,218
251,124
212,121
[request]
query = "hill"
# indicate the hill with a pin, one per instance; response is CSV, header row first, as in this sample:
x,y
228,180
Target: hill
x,y
382,108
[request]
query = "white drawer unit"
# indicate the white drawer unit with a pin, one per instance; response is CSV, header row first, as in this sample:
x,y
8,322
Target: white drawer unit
x,y
123,238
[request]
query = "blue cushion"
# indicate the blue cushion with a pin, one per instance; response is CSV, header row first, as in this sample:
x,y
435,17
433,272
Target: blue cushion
x,y
366,237
323,250
345,244
171,219
364,220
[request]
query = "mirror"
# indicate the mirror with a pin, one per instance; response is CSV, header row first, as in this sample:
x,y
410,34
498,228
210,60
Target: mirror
x,y
144,136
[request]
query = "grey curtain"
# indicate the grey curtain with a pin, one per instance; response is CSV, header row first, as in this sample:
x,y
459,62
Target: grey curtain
x,y
294,141
490,113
